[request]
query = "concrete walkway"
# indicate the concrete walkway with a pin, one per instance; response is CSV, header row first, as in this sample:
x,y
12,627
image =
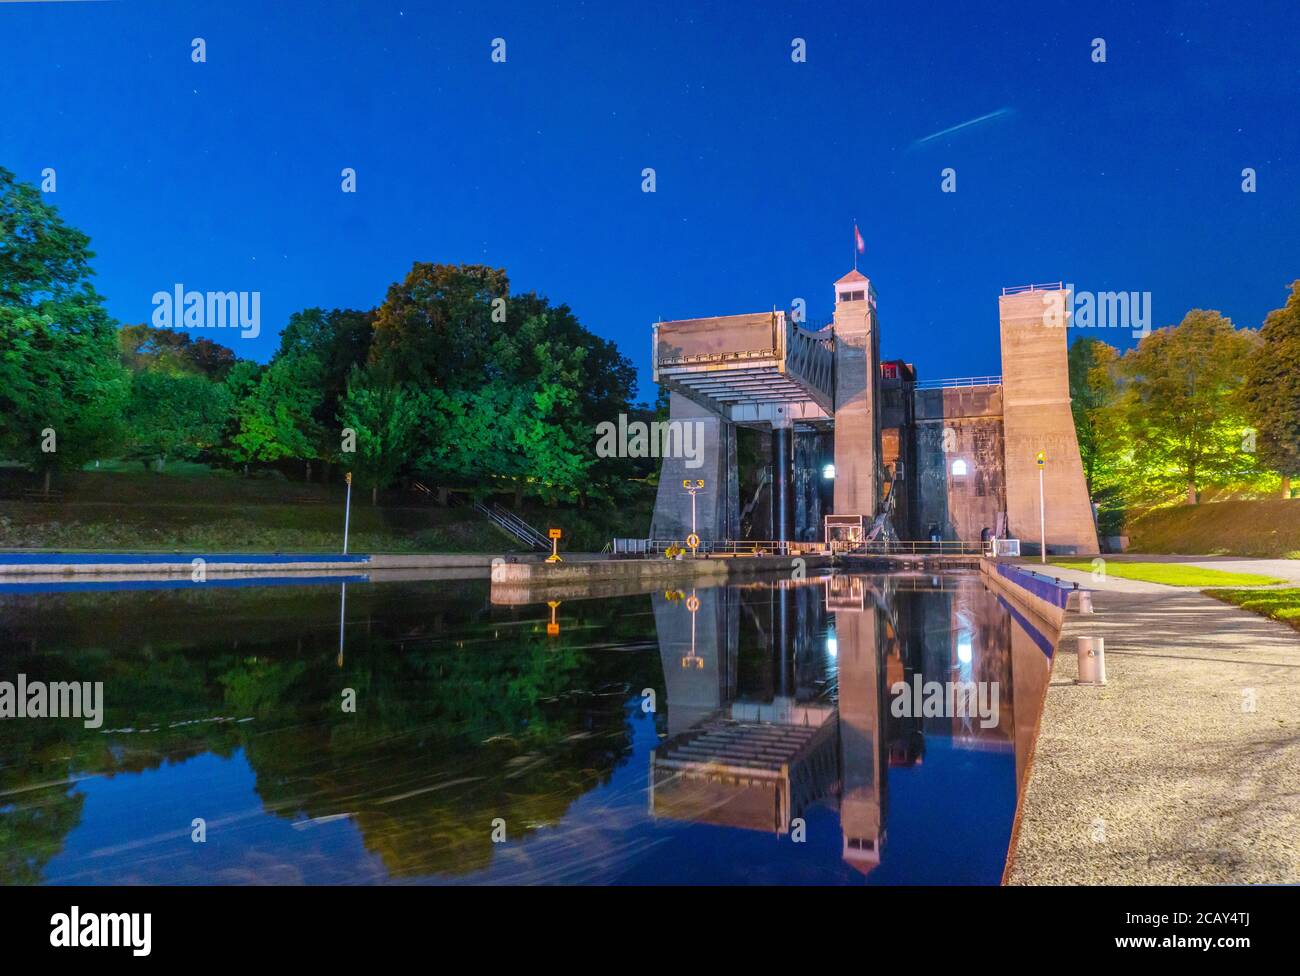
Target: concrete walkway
x,y
1165,775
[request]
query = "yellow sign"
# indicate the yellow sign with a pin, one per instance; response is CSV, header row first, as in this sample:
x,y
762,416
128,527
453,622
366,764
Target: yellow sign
x,y
348,476
1041,458
553,533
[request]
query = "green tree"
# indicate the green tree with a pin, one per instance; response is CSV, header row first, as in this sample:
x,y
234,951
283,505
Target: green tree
x,y
1272,391
1183,399
1094,392
175,415
170,350
435,327
384,416
241,386
62,389
277,418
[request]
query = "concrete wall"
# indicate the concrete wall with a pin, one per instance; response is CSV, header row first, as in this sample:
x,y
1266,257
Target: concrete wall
x,y
957,424
1036,417
717,506
684,338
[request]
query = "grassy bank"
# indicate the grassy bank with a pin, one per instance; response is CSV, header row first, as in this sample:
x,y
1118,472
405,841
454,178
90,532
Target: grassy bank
x,y
1268,527
1172,574
196,509
1281,605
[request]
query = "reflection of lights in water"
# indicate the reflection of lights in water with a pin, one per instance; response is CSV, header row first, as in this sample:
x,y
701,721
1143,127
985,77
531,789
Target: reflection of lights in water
x,y
828,472
832,648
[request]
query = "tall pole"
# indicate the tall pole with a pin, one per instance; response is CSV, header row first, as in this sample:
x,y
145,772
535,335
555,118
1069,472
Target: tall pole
x,y
347,513
1042,518
692,512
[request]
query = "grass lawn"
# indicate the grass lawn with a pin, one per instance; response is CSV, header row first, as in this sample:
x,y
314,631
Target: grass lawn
x,y
1268,527
1281,605
190,507
1172,574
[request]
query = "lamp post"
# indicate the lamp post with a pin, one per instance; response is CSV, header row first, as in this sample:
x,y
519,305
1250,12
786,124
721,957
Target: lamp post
x,y
1042,508
693,486
347,512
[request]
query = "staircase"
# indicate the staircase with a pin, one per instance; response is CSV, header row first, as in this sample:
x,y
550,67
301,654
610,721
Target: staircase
x,y
513,525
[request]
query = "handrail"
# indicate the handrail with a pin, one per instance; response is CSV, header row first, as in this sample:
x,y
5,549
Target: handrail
x,y
947,547
513,525
946,384
1045,286
737,547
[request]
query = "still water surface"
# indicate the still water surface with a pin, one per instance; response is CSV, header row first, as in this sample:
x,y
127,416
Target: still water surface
x,y
742,733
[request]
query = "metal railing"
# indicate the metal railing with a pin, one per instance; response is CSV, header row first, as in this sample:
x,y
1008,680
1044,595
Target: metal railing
x,y
726,547
514,525
896,547
958,381
748,547
1045,286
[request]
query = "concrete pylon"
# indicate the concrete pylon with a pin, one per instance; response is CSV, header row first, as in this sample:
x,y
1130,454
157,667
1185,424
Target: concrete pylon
x,y
1036,417
717,505
857,407
783,481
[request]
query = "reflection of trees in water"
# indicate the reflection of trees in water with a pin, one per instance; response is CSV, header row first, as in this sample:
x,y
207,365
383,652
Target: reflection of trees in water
x,y
464,712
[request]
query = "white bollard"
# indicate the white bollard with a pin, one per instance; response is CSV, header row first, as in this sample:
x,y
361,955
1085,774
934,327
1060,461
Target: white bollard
x,y
1092,661
1085,601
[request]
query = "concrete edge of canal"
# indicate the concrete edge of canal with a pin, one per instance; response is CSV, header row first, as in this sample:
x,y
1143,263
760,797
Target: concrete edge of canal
x,y
1183,767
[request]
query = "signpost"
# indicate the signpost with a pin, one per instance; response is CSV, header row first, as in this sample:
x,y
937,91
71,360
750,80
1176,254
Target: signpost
x,y
1042,510
554,535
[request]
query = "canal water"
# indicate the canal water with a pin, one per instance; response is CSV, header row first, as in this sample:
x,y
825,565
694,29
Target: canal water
x,y
846,729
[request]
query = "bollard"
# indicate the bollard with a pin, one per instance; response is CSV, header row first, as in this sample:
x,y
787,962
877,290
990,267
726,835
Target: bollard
x,y
1085,601
1092,661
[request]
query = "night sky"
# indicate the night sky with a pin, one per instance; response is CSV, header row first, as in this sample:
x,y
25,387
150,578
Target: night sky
x,y
225,175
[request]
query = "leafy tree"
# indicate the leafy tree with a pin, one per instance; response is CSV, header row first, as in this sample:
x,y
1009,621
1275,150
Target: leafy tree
x,y
143,347
1184,399
277,419
175,415
436,326
241,385
1094,392
59,370
384,416
1272,391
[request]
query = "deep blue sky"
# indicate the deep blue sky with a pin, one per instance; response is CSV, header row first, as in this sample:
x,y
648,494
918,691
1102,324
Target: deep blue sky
x,y
1116,176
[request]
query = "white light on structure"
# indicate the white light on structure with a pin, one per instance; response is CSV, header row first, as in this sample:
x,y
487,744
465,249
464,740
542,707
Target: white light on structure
x,y
959,467
832,647
963,649
828,472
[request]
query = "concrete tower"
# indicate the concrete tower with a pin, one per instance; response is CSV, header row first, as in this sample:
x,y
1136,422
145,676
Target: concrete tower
x,y
857,408
1036,417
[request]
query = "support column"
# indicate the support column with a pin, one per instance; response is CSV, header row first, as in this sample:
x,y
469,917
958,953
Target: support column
x,y
783,481
711,458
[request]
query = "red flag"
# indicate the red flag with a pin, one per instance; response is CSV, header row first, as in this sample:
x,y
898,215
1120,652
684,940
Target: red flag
x,y
858,237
